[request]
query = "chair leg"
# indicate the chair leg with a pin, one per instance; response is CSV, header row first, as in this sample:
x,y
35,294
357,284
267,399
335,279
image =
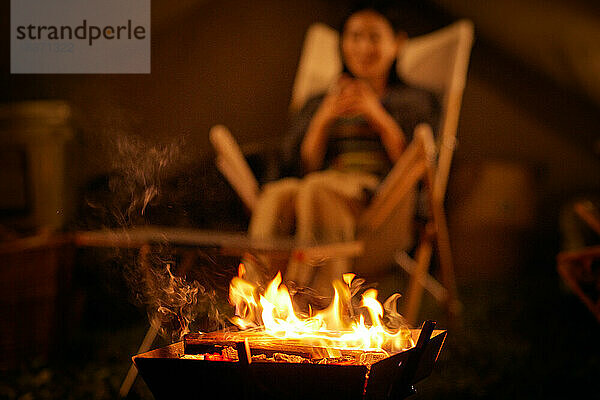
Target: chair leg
x,y
151,334
446,265
415,289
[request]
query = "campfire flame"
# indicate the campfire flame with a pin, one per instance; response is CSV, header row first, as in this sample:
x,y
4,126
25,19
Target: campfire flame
x,y
336,327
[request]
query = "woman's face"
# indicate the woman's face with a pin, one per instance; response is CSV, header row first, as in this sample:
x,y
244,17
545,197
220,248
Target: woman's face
x,y
369,45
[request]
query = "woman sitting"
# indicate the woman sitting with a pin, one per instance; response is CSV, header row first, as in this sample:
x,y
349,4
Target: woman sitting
x,y
344,142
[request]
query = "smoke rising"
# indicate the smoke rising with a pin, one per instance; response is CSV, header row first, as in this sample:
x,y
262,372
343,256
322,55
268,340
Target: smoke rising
x,y
155,277
141,171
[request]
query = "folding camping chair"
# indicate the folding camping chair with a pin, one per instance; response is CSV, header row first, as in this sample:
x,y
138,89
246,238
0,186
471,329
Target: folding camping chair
x,y
438,62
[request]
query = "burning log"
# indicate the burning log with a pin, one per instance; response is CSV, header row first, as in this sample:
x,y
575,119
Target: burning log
x,y
267,348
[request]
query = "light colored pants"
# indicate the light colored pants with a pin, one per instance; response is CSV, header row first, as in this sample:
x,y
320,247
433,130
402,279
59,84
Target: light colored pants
x,y
323,207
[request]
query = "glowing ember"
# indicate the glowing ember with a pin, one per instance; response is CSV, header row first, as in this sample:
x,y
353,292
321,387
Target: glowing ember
x,y
336,327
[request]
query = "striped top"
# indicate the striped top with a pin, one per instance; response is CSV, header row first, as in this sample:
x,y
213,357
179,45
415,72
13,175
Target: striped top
x,y
354,146
352,143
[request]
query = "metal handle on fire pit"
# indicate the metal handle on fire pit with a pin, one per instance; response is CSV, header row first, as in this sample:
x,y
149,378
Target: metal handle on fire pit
x,y
244,353
404,375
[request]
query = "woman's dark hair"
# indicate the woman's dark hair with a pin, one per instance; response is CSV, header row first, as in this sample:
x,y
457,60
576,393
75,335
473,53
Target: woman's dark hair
x,y
390,12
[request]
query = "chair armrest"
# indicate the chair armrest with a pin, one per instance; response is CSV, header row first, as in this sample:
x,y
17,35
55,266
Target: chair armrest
x,y
413,164
233,165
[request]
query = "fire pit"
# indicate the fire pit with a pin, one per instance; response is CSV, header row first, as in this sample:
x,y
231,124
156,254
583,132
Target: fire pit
x,y
204,365
278,350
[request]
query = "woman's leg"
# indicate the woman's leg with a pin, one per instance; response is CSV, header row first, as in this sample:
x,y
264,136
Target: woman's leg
x,y
272,217
327,206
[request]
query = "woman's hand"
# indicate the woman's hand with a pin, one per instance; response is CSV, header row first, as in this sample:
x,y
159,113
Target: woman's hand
x,y
348,98
358,98
334,105
339,101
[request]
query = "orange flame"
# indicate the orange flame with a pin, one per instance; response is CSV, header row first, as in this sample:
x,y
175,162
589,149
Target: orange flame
x,y
335,327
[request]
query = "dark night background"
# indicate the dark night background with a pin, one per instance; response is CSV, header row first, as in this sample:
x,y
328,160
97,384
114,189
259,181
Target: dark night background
x,y
528,146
